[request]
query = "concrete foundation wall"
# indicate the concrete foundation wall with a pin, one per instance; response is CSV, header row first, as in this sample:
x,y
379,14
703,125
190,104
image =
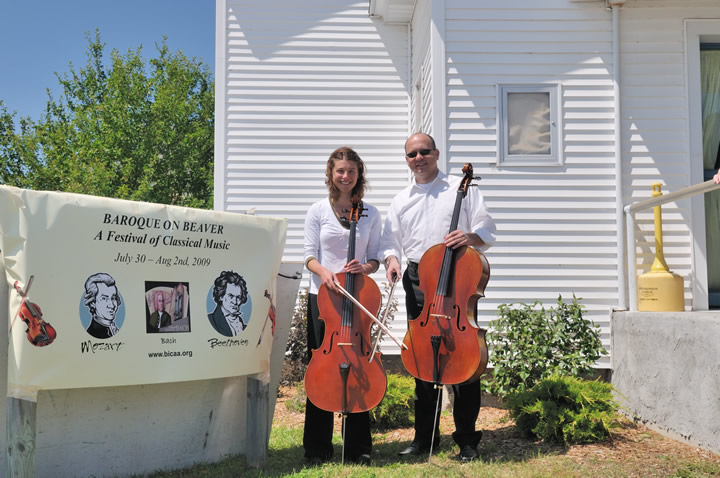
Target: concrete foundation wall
x,y
119,431
666,369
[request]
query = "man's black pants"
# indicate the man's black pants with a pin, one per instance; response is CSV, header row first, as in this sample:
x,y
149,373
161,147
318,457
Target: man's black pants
x,y
466,406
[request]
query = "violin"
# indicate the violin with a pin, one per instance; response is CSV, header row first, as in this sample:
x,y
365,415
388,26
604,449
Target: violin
x,y
39,332
340,376
444,344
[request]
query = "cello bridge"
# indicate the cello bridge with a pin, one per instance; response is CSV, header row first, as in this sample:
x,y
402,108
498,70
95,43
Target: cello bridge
x,y
441,316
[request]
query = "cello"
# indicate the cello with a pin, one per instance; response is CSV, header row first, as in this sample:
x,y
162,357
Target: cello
x,y
444,344
340,377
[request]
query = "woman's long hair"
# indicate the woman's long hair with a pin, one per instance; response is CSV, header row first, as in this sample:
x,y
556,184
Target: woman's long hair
x,y
349,154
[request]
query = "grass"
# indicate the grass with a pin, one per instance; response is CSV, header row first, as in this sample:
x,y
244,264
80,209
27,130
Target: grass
x,y
633,451
285,458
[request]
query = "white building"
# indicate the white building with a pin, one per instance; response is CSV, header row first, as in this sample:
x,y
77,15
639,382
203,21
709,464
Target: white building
x,y
568,110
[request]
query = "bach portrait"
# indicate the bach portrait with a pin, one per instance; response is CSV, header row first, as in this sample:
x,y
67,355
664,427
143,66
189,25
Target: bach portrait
x,y
167,307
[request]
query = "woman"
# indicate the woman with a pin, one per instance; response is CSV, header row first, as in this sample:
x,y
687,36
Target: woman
x,y
326,246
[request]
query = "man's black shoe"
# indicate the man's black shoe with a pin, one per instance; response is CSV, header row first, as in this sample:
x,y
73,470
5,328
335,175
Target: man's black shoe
x,y
414,449
363,459
315,461
468,453
417,449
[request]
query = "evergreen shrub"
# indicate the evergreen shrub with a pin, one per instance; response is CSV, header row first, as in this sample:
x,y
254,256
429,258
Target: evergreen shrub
x,y
397,409
565,410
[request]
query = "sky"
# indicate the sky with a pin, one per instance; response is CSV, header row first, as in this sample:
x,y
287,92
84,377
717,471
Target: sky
x,y
40,37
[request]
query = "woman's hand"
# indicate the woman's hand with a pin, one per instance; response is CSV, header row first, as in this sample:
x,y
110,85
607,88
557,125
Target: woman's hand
x,y
356,267
328,279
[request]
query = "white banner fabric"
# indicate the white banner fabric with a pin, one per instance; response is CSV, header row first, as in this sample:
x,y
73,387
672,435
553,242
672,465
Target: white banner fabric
x,y
107,292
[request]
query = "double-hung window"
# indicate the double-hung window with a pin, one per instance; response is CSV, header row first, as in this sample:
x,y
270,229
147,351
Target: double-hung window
x,y
528,125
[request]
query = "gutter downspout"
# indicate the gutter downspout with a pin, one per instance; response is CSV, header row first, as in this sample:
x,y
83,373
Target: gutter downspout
x,y
219,149
622,271
438,82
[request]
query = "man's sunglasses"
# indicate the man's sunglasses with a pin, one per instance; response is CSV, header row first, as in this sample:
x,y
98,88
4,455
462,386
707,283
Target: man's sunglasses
x,y
422,152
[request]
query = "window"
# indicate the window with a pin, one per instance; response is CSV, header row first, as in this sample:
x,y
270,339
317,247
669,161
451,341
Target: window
x,y
528,125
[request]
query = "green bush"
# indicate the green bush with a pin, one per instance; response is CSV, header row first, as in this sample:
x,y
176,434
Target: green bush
x,y
565,410
397,409
529,343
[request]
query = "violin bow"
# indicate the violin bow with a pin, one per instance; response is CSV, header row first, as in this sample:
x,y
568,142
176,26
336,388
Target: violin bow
x,y
369,314
384,318
268,317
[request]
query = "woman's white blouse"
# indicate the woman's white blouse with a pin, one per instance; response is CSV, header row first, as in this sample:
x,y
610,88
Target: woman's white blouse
x,y
327,240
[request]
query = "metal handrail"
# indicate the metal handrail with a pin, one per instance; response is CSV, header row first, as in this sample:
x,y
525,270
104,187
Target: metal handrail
x,y
630,211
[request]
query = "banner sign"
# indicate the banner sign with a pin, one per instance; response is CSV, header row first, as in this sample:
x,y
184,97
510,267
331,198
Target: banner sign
x,y
107,292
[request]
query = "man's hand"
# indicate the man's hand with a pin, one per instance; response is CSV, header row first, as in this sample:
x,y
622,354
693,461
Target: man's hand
x,y
393,270
457,238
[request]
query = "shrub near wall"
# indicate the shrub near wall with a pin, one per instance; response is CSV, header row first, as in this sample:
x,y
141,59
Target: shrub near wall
x,y
565,410
529,343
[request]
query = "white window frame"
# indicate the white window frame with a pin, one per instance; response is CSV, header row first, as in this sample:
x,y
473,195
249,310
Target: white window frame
x,y
555,157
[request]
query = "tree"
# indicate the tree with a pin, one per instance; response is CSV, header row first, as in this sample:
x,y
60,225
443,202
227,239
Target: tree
x,y
120,131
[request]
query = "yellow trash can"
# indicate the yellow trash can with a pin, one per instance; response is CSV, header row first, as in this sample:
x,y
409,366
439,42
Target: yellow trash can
x,y
660,290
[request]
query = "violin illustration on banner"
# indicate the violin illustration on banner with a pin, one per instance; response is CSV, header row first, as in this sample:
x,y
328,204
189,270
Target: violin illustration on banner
x,y
39,332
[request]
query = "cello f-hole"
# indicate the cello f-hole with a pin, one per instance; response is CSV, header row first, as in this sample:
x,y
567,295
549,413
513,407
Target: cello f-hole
x,y
460,326
331,340
364,350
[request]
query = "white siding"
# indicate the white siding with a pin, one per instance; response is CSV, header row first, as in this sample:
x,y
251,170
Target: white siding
x,y
300,80
655,121
556,225
421,64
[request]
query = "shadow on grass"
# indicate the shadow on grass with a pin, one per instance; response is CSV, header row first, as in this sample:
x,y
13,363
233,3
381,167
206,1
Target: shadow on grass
x,y
286,458
507,445
502,445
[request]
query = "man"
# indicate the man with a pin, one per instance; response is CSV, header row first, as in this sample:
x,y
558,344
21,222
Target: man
x,y
102,299
159,318
230,293
419,218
